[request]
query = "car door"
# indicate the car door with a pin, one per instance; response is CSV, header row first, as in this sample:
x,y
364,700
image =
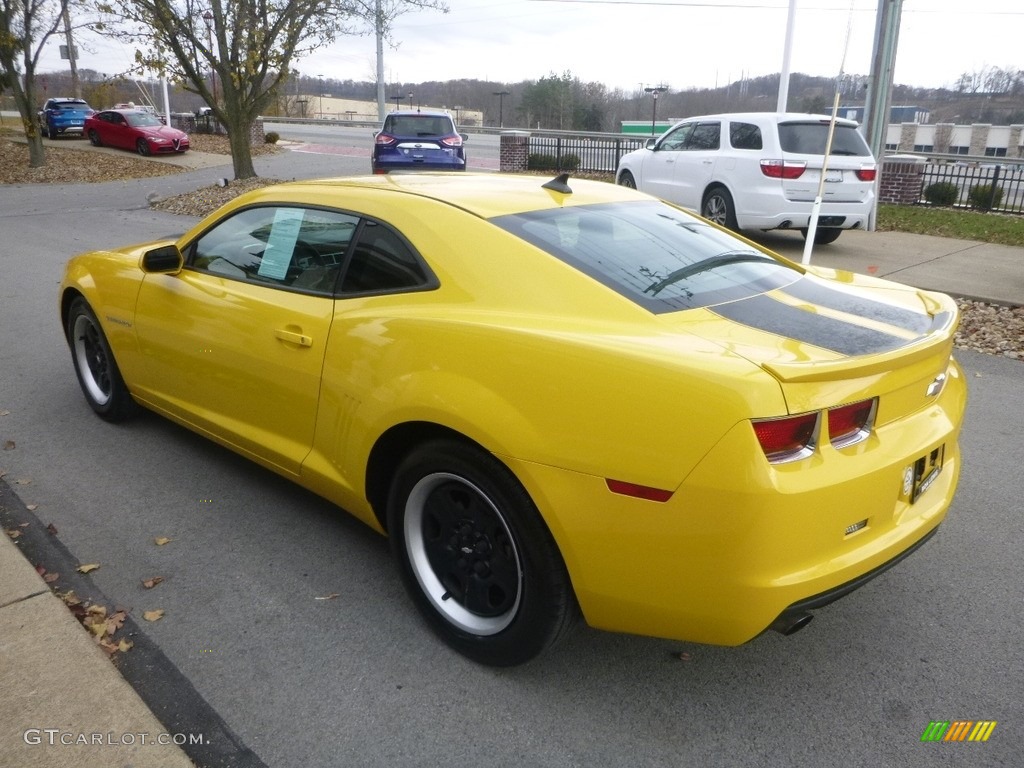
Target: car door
x,y
695,164
234,343
116,134
660,162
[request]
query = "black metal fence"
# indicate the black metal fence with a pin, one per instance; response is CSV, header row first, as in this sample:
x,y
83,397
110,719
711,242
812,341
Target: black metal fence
x,y
593,154
975,184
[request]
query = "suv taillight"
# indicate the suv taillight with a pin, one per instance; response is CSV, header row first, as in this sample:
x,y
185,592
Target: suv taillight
x,y
783,169
452,141
384,140
867,174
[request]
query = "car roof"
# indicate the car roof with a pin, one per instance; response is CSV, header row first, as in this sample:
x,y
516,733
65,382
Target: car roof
x,y
774,117
420,112
483,194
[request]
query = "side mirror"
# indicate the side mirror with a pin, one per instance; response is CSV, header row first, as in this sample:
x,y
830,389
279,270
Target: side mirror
x,y
465,137
650,143
165,260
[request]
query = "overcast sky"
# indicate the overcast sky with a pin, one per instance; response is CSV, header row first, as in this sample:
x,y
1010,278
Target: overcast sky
x,y
680,43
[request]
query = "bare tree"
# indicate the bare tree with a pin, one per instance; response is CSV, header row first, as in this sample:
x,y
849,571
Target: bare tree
x,y
381,15
246,46
25,27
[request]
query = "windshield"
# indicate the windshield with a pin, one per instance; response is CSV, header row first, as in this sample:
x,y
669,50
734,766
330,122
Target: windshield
x,y
653,254
141,119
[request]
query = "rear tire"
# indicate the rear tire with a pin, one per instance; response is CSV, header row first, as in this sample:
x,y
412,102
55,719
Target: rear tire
x,y
719,208
475,555
94,138
97,371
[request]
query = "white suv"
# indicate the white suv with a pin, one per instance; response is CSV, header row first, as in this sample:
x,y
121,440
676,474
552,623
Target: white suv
x,y
759,170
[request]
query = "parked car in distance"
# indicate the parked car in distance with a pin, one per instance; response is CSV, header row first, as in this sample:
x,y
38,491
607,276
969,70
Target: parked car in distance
x,y
759,171
64,116
554,396
420,140
135,130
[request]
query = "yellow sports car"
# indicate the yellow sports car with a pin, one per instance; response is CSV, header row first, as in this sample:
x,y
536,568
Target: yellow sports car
x,y
555,396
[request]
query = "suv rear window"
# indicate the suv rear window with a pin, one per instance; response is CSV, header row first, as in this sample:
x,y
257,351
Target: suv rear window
x,y
69,105
413,125
810,139
655,255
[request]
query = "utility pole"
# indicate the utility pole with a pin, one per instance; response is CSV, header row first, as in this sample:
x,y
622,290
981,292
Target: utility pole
x,y
878,100
76,86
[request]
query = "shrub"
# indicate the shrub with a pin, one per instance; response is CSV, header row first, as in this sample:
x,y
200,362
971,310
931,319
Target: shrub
x,y
982,197
941,193
271,137
539,162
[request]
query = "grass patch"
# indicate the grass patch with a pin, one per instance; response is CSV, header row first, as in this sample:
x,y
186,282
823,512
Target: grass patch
x,y
997,228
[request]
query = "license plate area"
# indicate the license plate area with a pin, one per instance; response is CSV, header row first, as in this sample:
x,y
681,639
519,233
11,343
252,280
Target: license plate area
x,y
925,470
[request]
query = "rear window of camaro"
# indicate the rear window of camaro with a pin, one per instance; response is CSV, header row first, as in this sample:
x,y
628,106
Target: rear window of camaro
x,y
655,255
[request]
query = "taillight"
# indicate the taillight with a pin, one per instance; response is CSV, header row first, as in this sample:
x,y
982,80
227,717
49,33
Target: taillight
x,y
867,174
783,169
790,438
850,424
452,141
646,492
384,140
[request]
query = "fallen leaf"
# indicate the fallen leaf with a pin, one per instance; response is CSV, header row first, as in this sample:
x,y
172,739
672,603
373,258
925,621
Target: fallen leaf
x,y
109,647
5,413
150,583
8,445
115,622
13,533
31,507
40,570
24,525
88,567
328,597
162,540
154,615
51,577
125,645
52,529
23,481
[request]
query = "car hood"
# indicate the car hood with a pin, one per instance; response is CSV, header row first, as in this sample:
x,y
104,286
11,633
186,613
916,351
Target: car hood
x,y
848,334
162,131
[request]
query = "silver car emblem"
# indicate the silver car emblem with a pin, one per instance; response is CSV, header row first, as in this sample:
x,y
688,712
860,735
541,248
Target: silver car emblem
x,y
936,386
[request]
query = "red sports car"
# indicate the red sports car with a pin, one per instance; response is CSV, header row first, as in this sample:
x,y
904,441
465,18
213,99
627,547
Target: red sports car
x,y
134,129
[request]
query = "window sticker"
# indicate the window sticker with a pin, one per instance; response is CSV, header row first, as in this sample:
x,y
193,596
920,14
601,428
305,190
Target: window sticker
x,y
284,232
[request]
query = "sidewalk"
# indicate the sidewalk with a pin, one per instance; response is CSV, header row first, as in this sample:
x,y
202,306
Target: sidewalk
x,y
55,678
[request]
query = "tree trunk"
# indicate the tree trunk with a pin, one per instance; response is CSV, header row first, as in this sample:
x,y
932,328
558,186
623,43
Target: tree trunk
x,y
240,139
25,99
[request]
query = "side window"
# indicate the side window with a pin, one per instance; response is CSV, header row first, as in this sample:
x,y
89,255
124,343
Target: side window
x,y
675,140
745,136
705,136
280,247
382,262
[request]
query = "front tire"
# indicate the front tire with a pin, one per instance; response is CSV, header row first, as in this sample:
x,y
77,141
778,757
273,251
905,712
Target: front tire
x,y
142,147
97,371
475,555
719,208
626,180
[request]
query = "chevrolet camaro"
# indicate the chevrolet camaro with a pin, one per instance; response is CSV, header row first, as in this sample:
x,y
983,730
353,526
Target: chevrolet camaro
x,y
555,397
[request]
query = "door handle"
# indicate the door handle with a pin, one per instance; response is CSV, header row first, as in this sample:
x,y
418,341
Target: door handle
x,y
294,338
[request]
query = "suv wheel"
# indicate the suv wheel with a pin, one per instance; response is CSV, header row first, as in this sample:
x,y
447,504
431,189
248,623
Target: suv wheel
x,y
719,208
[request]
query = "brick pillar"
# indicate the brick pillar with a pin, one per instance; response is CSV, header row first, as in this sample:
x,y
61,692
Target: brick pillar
x,y
514,151
900,181
256,133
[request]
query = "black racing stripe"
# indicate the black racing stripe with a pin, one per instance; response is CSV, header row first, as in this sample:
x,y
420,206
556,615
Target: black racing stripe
x,y
767,314
808,289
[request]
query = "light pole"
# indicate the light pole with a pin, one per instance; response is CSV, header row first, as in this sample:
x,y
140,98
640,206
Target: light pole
x,y
320,95
655,91
397,97
501,107
458,110
410,101
208,18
